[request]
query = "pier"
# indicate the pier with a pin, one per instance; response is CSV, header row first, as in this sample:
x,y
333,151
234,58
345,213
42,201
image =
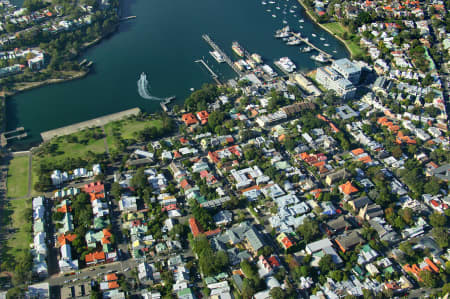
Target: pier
x,y
18,133
306,41
225,56
213,74
96,122
164,103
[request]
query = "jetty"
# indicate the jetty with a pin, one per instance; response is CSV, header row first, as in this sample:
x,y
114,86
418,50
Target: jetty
x,y
165,102
225,56
96,122
213,74
306,41
18,133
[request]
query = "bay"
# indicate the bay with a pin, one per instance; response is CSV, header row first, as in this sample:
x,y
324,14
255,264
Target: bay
x,y
164,41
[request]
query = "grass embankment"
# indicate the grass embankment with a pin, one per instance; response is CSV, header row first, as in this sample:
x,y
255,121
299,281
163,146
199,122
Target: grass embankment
x,y
338,30
126,129
17,182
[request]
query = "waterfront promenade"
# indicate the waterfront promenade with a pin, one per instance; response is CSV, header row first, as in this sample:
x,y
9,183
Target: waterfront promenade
x,y
96,122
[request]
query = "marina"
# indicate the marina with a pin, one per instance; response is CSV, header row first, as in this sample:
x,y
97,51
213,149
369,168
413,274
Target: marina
x,y
167,58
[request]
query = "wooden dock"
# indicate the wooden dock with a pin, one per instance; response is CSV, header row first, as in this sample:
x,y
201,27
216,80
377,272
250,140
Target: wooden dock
x,y
225,56
213,74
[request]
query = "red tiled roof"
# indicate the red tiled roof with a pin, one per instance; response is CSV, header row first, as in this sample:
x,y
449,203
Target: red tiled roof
x,y
189,119
287,243
96,187
348,188
113,285
357,151
111,277
195,227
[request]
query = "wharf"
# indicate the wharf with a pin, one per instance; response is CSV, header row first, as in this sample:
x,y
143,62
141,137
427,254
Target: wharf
x,y
225,56
213,74
306,41
96,122
18,133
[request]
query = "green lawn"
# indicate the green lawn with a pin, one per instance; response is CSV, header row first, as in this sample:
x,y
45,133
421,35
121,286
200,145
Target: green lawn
x,y
21,239
335,27
67,148
16,217
339,30
17,182
126,128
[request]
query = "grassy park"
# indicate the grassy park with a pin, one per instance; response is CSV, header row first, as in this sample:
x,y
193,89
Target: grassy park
x,y
337,29
17,181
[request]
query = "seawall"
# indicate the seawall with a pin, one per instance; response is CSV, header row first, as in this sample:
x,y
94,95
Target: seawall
x,y
96,122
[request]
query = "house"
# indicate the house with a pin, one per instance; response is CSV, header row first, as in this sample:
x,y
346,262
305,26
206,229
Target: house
x,y
224,217
322,247
348,188
348,241
202,116
128,204
189,119
337,176
337,225
197,230
285,241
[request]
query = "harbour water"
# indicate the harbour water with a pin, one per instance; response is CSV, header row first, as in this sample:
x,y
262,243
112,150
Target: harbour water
x,y
164,41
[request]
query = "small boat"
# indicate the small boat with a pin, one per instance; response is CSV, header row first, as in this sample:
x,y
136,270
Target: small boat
x,y
334,51
268,10
291,10
274,16
301,27
285,22
314,35
284,12
278,7
322,38
294,6
301,20
326,45
320,58
272,2
306,49
295,16
192,89
263,3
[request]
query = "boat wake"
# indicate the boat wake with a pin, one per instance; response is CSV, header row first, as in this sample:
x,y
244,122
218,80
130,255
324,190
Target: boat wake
x,y
143,89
